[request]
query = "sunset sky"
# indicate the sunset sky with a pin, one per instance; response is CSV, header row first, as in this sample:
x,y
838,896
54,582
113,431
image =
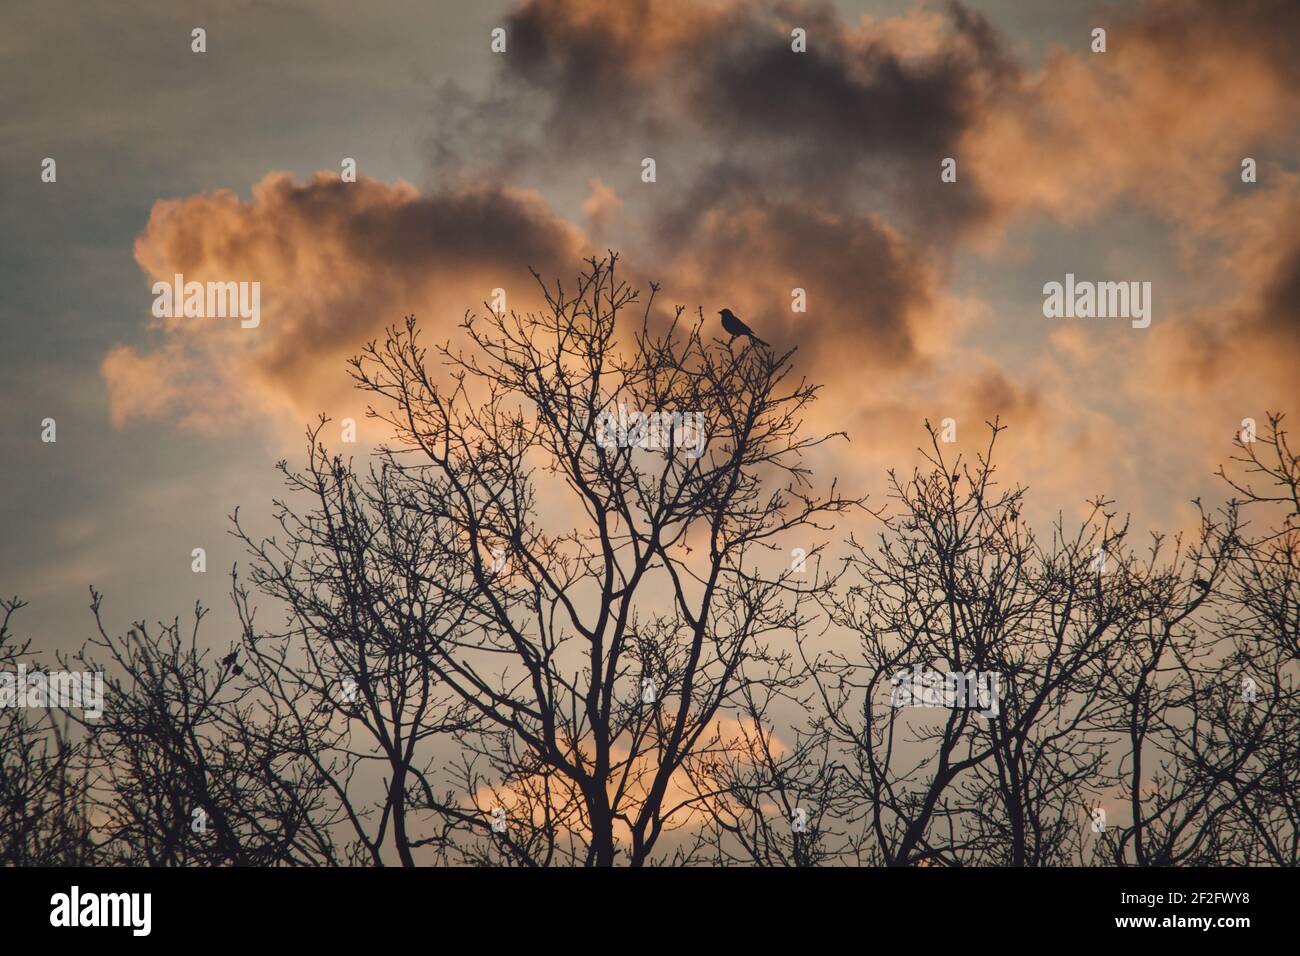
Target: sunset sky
x,y
775,170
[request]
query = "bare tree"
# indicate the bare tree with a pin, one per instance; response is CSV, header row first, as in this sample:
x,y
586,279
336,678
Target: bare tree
x,y
364,580
189,766
554,621
1103,666
43,805
599,654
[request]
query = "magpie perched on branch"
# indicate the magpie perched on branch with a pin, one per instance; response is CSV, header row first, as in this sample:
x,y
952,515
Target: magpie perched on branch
x,y
736,327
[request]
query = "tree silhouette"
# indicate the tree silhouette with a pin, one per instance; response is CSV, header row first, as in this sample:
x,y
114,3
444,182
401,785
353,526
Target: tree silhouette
x,y
554,621
584,667
43,819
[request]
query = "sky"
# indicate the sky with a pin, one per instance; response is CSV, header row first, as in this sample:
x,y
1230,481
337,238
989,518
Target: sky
x,y
775,170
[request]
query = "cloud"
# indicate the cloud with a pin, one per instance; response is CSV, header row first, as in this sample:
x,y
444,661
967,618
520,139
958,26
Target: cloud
x,y
1160,123
1235,356
820,170
741,220
1164,116
337,262
867,110
602,208
869,292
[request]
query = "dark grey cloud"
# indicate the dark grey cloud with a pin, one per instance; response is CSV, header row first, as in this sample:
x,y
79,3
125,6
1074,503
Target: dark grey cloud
x,y
854,120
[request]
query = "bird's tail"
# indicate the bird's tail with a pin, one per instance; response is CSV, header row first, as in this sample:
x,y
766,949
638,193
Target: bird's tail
x,y
755,338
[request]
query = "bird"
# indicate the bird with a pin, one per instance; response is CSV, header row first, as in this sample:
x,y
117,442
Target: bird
x,y
229,659
1202,584
736,327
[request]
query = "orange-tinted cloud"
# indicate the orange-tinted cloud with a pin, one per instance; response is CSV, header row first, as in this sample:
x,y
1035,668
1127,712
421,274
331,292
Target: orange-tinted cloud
x,y
820,171
337,262
1162,122
1164,116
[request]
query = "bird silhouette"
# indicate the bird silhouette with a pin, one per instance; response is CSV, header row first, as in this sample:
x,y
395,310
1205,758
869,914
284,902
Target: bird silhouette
x,y
1202,584
229,659
736,327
